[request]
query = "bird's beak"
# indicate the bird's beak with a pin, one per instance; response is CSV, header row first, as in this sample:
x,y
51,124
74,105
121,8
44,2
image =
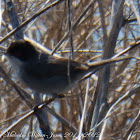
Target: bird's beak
x,y
2,50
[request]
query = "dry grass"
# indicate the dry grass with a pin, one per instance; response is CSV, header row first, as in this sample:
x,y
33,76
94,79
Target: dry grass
x,y
85,40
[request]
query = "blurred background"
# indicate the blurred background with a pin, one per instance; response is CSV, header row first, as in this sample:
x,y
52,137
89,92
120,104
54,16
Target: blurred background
x,y
86,31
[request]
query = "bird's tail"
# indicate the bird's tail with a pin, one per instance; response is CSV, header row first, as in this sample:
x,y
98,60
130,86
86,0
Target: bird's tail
x,y
94,66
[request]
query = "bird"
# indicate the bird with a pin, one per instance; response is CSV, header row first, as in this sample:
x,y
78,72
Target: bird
x,y
45,73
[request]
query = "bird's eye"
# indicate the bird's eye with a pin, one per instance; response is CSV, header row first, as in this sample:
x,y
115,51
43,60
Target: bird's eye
x,y
17,53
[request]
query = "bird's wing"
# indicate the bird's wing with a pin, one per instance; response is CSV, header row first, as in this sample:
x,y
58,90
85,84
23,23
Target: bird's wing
x,y
50,66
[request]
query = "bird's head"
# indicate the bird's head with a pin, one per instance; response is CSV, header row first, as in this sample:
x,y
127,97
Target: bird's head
x,y
21,50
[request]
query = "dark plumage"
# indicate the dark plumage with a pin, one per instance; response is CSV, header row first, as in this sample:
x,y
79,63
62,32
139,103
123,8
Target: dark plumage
x,y
46,73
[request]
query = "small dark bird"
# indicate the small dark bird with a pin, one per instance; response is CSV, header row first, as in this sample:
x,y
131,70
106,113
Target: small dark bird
x,y
45,73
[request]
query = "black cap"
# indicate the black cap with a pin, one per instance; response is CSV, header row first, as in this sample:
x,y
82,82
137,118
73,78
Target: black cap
x,y
22,49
